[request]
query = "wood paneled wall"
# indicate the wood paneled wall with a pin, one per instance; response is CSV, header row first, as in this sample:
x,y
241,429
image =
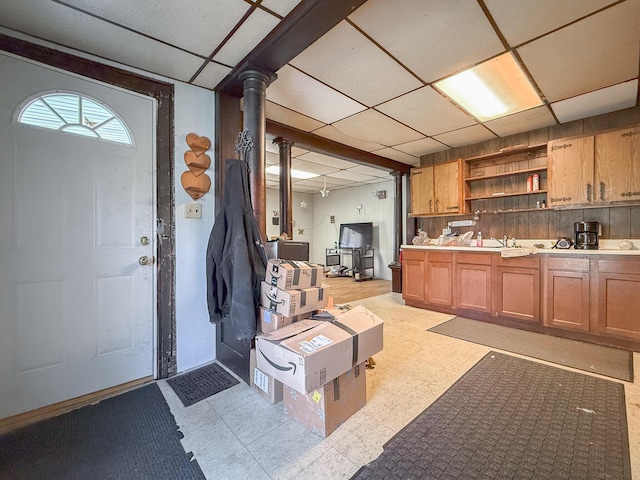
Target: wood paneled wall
x,y
617,222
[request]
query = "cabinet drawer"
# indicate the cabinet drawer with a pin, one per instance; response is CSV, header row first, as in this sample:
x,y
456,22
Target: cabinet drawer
x,y
571,264
619,266
440,257
474,258
413,254
524,262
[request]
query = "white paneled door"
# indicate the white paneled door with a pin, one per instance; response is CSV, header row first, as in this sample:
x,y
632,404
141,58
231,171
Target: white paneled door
x,y
76,305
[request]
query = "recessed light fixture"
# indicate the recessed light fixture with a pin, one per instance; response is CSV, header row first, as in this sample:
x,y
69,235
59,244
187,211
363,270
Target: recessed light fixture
x,y
493,89
275,170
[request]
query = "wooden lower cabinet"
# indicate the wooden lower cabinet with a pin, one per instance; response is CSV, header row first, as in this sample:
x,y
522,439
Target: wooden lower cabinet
x,y
517,288
473,282
413,275
566,302
440,279
619,298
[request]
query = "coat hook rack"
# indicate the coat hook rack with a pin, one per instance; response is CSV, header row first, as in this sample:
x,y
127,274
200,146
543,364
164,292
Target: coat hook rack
x,y
244,144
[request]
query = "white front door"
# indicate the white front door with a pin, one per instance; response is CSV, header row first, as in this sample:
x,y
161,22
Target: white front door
x,y
76,307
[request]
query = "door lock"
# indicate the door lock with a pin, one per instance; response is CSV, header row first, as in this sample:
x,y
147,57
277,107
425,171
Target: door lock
x,y
144,240
144,260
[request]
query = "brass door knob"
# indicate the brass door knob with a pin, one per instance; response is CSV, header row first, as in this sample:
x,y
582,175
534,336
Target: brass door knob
x,y
144,260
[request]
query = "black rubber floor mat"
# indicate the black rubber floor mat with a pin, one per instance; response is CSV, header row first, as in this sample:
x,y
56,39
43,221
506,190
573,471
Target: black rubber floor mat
x,y
130,436
509,418
191,387
609,361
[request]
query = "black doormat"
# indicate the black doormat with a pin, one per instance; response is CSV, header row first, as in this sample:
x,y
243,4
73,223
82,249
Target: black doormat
x,y
509,418
191,387
130,436
608,361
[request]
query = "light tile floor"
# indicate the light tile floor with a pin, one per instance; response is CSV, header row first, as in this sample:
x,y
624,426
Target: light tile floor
x,y
236,434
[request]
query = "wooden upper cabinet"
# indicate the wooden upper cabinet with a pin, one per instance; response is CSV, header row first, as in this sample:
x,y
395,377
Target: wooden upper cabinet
x,y
570,171
617,165
436,190
422,191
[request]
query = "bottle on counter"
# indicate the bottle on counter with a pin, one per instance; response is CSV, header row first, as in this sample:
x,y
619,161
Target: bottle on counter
x,y
529,183
479,239
536,182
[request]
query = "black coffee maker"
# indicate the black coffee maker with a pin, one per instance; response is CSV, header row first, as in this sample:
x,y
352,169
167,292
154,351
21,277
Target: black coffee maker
x,y
586,235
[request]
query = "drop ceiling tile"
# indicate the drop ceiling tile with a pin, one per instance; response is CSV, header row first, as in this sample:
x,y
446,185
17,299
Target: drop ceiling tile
x,y
68,27
601,101
346,60
298,164
421,147
285,116
322,159
351,175
372,126
398,156
542,16
466,136
211,75
271,158
334,182
332,133
297,151
433,39
303,94
245,39
367,170
281,7
597,52
427,111
188,27
525,121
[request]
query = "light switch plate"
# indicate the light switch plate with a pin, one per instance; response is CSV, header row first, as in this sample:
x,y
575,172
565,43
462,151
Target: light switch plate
x,y
193,210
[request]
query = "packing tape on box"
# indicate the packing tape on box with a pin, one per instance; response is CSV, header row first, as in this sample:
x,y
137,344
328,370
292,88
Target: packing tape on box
x,y
354,338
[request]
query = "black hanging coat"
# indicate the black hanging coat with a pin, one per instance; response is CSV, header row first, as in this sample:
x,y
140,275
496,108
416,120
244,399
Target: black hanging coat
x,y
236,259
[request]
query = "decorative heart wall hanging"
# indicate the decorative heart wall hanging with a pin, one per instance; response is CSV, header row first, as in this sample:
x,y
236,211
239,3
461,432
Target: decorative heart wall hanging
x,y
198,144
197,164
195,185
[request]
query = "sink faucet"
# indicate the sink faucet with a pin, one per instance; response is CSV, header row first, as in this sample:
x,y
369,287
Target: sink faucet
x,y
503,242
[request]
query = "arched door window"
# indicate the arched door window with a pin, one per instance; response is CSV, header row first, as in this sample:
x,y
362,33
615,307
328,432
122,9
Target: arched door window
x,y
75,114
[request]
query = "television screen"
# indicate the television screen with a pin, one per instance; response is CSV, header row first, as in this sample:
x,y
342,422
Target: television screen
x,y
356,235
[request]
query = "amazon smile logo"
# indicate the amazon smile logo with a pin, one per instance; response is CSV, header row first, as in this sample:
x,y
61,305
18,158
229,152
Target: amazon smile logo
x,y
279,367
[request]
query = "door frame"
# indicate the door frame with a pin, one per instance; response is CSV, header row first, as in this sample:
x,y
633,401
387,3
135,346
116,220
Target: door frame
x,y
165,242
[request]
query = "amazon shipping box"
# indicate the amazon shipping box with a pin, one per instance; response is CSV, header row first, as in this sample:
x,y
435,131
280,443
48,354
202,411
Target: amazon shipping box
x,y
270,388
290,274
292,302
270,320
309,353
329,406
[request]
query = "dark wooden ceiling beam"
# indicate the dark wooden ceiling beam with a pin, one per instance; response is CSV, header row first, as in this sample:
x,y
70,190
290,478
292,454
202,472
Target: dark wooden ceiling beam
x,y
318,144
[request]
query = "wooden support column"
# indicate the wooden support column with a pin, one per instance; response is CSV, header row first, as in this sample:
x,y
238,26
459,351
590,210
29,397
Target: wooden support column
x,y
286,210
397,215
255,85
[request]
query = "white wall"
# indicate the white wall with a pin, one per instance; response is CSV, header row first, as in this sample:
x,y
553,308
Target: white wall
x,y
195,335
302,215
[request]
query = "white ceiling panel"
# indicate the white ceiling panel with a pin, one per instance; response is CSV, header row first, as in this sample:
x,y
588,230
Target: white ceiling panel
x,y
597,52
531,119
420,147
542,16
332,133
250,34
281,7
298,164
187,26
297,151
367,170
271,158
398,156
283,115
211,75
606,100
427,111
322,159
362,71
350,175
372,126
301,93
466,136
434,38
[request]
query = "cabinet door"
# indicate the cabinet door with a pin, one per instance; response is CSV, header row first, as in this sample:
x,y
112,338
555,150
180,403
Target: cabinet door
x,y
566,293
617,166
517,293
473,287
440,279
618,294
446,187
422,191
413,280
570,171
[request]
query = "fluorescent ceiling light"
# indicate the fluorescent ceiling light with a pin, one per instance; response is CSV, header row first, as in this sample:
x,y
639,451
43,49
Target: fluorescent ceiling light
x,y
493,89
275,170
